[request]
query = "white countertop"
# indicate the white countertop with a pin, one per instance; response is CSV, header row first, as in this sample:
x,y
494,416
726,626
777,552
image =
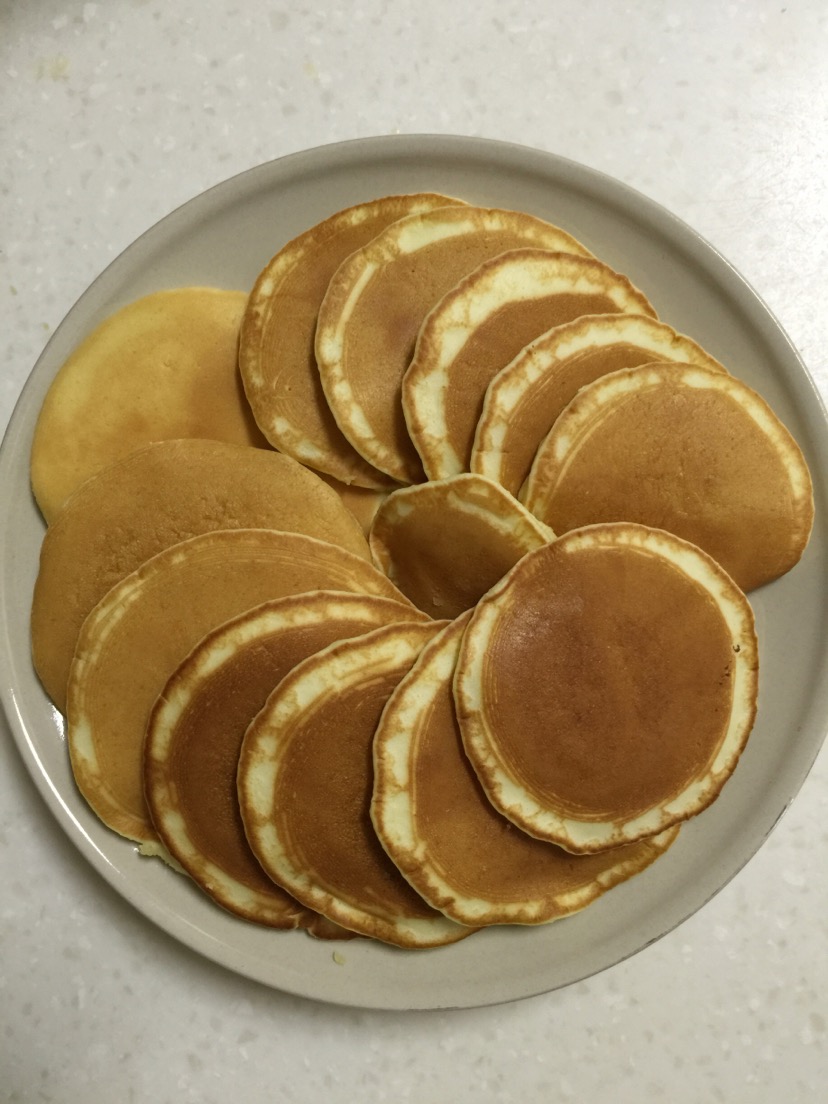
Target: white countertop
x,y
112,114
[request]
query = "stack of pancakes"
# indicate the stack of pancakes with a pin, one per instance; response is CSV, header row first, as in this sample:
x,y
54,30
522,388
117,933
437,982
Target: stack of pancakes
x,y
433,618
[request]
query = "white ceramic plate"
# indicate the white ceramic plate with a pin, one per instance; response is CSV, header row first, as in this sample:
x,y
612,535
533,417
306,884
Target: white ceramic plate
x,y
225,237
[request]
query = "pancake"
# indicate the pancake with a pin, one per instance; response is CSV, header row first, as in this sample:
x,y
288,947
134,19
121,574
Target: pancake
x,y
685,449
305,784
443,833
151,499
481,325
276,355
377,301
195,732
524,399
607,685
445,543
143,628
162,367
362,502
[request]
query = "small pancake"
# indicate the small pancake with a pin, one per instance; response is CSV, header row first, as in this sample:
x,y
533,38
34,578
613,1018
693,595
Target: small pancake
x,y
446,542
377,301
276,355
143,628
481,325
685,449
305,783
524,399
162,367
151,499
195,733
443,833
606,687
362,502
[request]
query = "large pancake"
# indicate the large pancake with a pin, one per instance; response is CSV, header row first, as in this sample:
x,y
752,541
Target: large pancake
x,y
151,499
524,399
305,782
195,732
481,325
276,354
445,543
686,449
606,687
143,628
377,301
162,367
443,833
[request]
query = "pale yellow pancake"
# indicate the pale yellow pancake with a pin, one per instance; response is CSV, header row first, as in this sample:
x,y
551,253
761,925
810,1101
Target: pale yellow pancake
x,y
276,354
151,499
377,301
686,449
443,833
607,685
162,367
481,325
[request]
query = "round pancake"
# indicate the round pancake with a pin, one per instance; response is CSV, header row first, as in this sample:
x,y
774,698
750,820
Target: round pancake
x,y
143,628
377,301
443,833
276,356
524,399
606,687
162,367
686,449
481,325
153,498
195,732
305,784
446,542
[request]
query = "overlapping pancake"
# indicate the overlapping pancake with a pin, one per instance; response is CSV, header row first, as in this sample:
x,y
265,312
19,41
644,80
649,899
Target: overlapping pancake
x,y
151,499
195,732
377,301
443,833
162,367
524,399
362,502
686,449
305,783
276,354
481,325
607,685
143,628
446,542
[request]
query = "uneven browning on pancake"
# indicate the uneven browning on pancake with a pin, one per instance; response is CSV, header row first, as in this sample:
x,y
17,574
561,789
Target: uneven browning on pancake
x,y
305,783
377,301
607,685
445,543
276,356
689,450
481,325
526,397
443,833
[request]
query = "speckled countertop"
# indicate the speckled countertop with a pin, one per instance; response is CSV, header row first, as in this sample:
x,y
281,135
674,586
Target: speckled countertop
x,y
112,114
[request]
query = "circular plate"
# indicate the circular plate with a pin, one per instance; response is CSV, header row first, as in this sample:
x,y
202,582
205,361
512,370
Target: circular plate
x,y
224,237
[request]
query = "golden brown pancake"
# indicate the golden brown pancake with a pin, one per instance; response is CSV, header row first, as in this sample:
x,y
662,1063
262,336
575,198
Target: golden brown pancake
x,y
276,354
524,399
162,367
443,833
686,449
481,325
606,687
362,502
144,627
377,301
151,499
195,732
305,783
446,542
